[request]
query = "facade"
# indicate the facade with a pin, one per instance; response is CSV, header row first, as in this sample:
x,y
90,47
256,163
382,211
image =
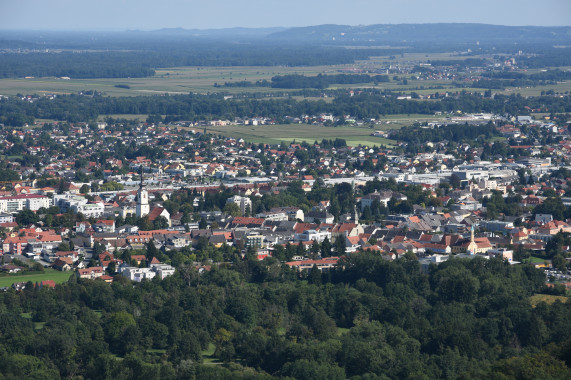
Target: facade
x,y
313,235
89,210
18,203
254,239
323,265
91,273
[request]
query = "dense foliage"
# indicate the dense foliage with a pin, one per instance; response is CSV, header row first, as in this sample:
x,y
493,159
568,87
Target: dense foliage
x,y
452,132
193,107
323,81
123,64
375,318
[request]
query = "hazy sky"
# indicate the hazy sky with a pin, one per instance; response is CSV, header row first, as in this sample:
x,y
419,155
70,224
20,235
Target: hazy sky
x,y
205,14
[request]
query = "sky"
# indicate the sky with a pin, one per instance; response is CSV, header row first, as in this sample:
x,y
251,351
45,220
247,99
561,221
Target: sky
x,y
217,14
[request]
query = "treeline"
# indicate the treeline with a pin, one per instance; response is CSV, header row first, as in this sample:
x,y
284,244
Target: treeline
x,y
75,65
320,81
323,81
503,79
549,75
453,132
142,63
75,108
261,320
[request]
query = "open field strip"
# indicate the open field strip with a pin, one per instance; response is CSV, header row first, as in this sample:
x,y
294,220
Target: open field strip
x,y
48,274
275,134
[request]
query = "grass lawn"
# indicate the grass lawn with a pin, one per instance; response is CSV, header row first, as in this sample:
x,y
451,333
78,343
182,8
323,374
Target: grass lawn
x,y
208,355
47,274
534,260
537,298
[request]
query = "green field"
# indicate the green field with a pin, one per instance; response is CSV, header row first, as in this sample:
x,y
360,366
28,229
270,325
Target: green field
x,y
47,274
275,134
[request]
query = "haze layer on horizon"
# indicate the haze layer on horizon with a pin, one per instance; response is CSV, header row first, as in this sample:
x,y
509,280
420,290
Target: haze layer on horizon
x,y
217,14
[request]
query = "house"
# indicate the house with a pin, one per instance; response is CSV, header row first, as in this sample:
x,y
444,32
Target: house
x,y
63,264
323,265
90,273
10,268
320,216
104,226
138,274
160,211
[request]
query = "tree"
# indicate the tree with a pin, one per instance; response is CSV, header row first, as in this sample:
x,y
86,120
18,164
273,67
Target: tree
x,y
84,189
340,246
115,326
160,222
325,247
152,250
315,249
232,209
27,217
314,276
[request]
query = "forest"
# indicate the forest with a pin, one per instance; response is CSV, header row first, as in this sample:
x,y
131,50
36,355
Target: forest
x,y
369,319
136,64
323,81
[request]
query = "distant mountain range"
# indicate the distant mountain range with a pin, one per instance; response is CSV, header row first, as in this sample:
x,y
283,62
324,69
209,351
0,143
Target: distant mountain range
x,y
410,33
366,35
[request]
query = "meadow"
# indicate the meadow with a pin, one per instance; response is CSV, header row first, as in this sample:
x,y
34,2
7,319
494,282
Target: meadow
x,y
275,134
48,274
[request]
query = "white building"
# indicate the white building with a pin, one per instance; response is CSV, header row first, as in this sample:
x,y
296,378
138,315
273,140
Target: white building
x,y
162,270
311,235
26,201
143,207
89,210
138,274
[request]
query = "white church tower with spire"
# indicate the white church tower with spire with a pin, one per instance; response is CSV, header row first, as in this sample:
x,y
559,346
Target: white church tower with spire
x,y
143,207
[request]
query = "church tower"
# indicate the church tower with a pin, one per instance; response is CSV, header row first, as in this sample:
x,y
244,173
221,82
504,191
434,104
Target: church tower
x,y
142,199
472,248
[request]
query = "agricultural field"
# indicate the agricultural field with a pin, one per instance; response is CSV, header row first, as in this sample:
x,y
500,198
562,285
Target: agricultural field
x,y
178,80
275,134
184,80
48,274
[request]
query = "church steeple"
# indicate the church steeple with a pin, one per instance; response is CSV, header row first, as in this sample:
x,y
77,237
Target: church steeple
x,y
142,198
472,248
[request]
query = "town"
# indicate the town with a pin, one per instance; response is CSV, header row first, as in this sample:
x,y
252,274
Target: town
x,y
385,201
173,190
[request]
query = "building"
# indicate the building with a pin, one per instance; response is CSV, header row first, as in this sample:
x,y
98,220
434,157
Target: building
x,y
91,273
17,203
143,207
323,265
138,274
89,210
244,203
253,239
313,235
